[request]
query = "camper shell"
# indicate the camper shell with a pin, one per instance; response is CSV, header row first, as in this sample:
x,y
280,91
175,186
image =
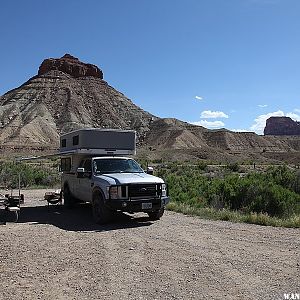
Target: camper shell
x,y
94,141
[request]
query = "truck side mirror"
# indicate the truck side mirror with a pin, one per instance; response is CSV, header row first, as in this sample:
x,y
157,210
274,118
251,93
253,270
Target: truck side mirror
x,y
80,172
150,170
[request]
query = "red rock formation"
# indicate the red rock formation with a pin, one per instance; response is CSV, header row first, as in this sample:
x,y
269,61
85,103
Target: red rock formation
x,y
70,65
282,126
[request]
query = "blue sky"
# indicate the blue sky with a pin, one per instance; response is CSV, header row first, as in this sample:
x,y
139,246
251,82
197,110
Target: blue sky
x,y
216,63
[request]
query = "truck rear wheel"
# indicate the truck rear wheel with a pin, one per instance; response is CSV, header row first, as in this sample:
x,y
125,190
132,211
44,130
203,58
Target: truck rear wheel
x,y
156,215
101,213
68,198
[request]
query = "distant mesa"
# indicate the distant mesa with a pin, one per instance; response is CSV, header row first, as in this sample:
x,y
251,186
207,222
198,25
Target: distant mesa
x,y
70,65
282,126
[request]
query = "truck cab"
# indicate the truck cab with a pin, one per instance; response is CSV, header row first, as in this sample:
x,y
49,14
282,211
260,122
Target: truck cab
x,y
111,183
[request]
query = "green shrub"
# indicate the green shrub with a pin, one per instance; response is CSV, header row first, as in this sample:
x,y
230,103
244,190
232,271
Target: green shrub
x,y
233,167
201,165
274,193
30,175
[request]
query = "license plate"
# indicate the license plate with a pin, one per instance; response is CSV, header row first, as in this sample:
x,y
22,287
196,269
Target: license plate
x,y
146,205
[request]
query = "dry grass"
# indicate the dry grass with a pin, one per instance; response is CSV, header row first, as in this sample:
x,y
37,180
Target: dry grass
x,y
235,216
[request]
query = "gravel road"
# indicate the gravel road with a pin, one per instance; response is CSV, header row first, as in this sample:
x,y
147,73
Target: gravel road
x,y
59,254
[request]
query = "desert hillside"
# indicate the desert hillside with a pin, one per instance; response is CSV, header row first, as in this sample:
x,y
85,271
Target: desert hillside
x,y
68,94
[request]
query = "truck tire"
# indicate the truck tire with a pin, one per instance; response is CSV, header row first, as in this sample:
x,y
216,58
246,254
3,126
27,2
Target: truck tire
x,y
13,216
8,216
156,215
68,197
101,213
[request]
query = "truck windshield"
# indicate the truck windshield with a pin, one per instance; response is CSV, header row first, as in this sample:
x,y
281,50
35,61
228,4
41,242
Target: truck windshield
x,y
116,165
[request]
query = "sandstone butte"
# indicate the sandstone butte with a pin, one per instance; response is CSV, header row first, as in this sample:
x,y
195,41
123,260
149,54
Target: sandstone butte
x,y
282,126
70,65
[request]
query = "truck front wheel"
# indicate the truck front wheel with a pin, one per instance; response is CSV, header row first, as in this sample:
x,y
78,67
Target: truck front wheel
x,y
156,215
101,213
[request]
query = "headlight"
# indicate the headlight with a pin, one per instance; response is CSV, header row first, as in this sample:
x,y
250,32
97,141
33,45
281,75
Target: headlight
x,y
164,190
113,192
118,192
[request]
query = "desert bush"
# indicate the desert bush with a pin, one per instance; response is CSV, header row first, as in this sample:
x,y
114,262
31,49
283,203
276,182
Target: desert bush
x,y
274,193
201,165
30,175
285,177
233,167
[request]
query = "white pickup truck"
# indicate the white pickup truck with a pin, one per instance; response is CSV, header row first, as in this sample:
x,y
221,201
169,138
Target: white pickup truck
x,y
110,182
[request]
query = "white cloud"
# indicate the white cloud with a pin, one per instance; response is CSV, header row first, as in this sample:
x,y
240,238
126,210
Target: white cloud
x,y
199,98
293,116
297,110
208,124
262,105
208,114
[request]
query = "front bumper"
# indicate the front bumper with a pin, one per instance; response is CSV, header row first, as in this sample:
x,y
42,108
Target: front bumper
x,y
136,205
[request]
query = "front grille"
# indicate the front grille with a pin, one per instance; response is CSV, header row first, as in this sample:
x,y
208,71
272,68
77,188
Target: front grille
x,y
144,190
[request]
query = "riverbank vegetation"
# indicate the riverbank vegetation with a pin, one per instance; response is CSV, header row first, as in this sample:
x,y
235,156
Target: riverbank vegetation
x,y
270,197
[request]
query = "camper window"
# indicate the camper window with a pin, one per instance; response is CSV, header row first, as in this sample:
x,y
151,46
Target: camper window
x,y
75,140
63,143
65,164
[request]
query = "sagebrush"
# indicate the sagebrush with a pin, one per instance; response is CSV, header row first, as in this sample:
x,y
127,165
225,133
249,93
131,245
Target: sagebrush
x,y
274,192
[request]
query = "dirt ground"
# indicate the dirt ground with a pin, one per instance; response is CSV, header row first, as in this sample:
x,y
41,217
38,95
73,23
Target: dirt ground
x,y
61,254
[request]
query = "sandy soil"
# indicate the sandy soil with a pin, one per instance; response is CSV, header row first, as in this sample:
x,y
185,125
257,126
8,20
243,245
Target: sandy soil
x,y
61,254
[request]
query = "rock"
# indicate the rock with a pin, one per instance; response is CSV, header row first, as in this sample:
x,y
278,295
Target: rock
x,y
70,65
281,126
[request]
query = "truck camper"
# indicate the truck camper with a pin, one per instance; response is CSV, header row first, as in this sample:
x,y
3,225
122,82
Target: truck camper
x,y
97,168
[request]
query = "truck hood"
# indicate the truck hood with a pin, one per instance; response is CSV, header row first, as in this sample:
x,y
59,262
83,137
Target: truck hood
x,y
124,178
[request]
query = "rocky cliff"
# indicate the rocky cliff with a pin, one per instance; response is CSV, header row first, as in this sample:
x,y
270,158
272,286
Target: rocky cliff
x,y
68,94
181,140
282,126
70,65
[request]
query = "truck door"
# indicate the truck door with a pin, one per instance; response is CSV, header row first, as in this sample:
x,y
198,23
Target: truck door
x,y
84,188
